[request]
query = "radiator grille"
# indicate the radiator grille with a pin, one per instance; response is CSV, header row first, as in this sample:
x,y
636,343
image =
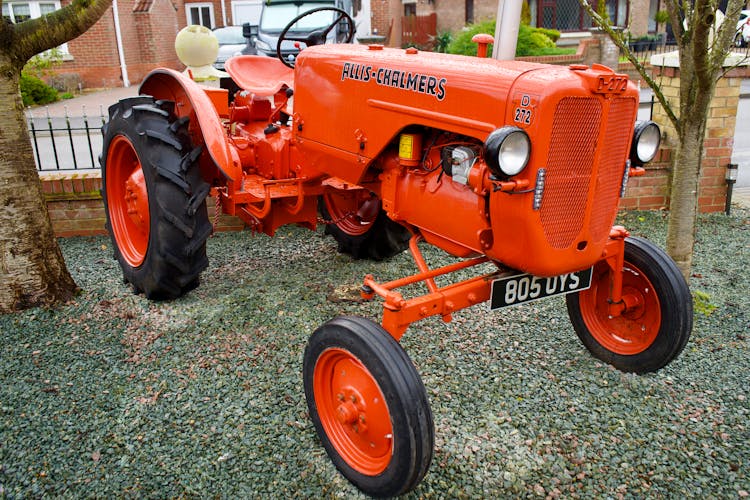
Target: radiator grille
x,y
575,135
609,181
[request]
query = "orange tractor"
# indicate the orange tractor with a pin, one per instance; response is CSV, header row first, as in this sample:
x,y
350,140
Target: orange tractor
x,y
511,167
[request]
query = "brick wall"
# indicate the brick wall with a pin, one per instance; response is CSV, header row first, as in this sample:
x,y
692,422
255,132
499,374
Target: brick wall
x,y
76,209
95,54
74,203
638,17
652,191
385,17
147,33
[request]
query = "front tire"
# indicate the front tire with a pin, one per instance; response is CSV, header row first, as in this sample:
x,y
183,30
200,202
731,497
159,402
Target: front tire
x,y
369,406
154,197
360,226
655,327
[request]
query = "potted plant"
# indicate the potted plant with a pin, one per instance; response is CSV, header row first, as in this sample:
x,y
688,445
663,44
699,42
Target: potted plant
x,y
661,17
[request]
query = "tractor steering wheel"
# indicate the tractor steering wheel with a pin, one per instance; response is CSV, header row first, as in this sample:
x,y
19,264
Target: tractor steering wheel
x,y
318,36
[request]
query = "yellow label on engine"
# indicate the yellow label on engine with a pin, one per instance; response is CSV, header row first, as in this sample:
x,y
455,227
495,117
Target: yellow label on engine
x,y
406,147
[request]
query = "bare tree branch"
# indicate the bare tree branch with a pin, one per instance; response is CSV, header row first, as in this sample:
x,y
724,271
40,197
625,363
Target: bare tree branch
x,y
37,35
619,40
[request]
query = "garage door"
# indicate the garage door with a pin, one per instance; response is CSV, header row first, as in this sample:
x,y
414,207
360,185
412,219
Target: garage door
x,y
246,11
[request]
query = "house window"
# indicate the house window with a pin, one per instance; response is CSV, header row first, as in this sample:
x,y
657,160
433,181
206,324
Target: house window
x,y
47,8
201,14
18,12
567,15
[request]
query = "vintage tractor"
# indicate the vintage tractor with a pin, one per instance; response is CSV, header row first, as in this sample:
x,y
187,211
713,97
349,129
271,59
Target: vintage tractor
x,y
511,167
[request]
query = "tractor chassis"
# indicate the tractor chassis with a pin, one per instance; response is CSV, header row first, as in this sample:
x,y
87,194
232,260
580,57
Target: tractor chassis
x,y
399,313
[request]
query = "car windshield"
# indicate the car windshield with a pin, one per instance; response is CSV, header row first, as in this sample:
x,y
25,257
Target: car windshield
x,y
276,16
230,36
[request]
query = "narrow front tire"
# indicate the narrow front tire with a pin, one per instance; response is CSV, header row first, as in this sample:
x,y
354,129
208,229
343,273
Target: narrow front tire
x,y
369,406
658,319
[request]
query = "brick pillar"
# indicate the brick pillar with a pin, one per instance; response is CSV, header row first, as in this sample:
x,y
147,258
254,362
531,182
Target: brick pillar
x,y
385,20
609,53
717,146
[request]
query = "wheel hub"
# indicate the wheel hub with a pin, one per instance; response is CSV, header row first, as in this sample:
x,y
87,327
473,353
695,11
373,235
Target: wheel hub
x,y
127,200
353,411
136,199
635,326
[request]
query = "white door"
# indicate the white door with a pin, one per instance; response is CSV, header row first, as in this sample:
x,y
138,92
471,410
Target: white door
x,y
246,11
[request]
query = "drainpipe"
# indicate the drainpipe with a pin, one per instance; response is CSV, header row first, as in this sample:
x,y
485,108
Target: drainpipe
x,y
120,48
506,32
224,13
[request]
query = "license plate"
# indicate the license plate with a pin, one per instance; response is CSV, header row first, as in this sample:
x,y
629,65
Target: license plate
x,y
522,288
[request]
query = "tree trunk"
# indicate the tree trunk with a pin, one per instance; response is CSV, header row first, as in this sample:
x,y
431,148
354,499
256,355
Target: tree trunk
x,y
686,172
32,269
683,201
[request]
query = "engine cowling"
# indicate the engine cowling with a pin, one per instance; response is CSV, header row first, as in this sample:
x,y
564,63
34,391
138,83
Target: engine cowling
x,y
353,104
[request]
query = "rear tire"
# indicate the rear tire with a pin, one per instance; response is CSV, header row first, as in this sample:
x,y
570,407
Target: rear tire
x,y
360,231
154,197
647,335
369,406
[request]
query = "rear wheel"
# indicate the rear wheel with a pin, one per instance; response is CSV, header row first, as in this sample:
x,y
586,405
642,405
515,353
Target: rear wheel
x,y
359,225
656,323
154,197
369,406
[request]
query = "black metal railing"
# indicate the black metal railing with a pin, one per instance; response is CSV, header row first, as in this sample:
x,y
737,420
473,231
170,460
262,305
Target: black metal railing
x,y
65,143
644,49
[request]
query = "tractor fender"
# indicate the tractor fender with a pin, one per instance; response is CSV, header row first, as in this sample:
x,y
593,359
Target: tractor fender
x,y
192,101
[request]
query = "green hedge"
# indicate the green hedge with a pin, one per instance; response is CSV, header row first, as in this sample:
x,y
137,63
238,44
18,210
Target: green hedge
x,y
35,91
531,41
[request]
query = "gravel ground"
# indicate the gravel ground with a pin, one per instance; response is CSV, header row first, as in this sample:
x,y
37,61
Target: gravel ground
x,y
112,395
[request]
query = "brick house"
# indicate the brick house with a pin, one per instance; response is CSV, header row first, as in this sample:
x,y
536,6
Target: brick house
x,y
563,15
135,36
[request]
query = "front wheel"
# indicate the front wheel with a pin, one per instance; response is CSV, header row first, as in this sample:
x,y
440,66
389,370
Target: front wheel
x,y
658,319
369,406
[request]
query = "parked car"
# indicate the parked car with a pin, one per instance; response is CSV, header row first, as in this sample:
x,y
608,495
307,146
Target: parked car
x,y
231,43
742,36
276,15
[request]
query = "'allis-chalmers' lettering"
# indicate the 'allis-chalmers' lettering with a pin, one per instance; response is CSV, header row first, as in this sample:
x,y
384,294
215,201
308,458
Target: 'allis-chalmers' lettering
x,y
404,80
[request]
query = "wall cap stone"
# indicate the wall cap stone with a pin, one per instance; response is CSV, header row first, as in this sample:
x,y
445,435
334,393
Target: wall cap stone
x,y
672,60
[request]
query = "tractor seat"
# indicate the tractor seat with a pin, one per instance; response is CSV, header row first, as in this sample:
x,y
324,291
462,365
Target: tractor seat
x,y
261,75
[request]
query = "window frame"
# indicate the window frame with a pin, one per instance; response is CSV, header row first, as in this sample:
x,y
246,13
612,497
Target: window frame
x,y
35,12
200,5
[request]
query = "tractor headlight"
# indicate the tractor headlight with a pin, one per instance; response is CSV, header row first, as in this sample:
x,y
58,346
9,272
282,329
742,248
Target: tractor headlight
x,y
646,141
507,151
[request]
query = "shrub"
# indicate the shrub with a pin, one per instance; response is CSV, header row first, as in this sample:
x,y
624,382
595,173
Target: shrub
x,y
553,35
531,41
441,41
462,44
35,91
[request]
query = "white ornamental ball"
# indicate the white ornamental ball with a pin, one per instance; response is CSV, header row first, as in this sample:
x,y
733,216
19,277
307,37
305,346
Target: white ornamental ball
x,y
196,46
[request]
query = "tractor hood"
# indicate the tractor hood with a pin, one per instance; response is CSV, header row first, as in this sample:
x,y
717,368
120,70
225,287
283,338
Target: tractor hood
x,y
337,85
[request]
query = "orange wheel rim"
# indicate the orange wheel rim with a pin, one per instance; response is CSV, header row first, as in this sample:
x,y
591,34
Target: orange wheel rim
x,y
353,411
352,211
127,201
636,328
